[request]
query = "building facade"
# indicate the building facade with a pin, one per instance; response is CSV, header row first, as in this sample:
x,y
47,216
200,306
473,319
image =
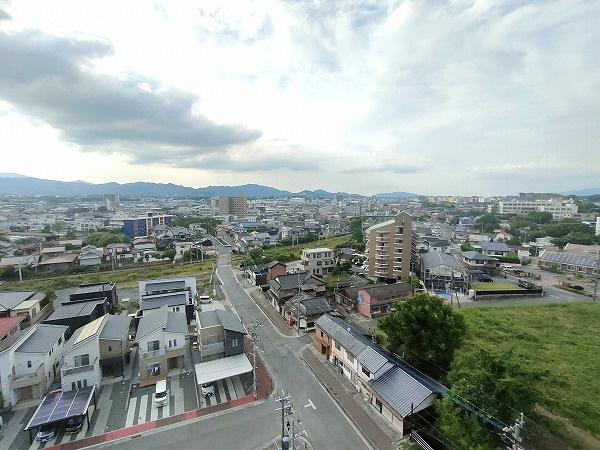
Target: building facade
x,y
560,209
237,206
391,248
144,225
318,261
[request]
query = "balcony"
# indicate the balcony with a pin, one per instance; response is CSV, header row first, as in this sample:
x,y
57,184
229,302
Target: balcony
x,y
153,353
66,370
27,379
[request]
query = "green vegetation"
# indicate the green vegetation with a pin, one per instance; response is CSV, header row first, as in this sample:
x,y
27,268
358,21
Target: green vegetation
x,y
426,330
168,254
487,223
466,247
331,280
124,277
289,253
558,341
208,223
103,238
498,285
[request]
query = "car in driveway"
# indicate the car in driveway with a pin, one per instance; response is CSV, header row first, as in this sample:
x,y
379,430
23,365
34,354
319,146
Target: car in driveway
x,y
45,433
161,394
485,278
208,389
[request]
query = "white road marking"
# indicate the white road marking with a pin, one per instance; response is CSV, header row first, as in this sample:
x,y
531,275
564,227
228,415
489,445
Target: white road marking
x,y
143,406
239,387
231,389
131,412
310,404
221,391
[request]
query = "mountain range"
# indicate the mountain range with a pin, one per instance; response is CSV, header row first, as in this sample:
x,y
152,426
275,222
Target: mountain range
x,y
11,183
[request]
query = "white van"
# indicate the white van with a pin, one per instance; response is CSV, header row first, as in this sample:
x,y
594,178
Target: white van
x,y
161,395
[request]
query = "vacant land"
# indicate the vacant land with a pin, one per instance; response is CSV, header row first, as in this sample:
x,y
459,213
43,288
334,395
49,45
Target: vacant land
x,y
124,278
293,252
499,285
559,341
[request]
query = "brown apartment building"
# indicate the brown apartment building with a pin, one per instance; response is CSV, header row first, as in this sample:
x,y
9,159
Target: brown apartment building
x,y
237,206
391,248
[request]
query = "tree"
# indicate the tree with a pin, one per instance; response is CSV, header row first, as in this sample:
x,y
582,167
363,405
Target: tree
x,y
169,254
426,330
254,257
102,239
50,297
466,247
196,254
497,384
70,235
488,222
356,229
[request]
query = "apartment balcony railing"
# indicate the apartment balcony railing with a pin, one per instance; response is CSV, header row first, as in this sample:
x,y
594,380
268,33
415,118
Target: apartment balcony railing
x,y
67,370
26,379
153,353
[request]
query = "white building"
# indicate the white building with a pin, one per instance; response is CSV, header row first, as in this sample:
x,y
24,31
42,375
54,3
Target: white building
x,y
318,261
560,209
598,226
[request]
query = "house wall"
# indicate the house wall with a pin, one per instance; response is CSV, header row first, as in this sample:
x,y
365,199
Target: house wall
x,y
276,271
234,343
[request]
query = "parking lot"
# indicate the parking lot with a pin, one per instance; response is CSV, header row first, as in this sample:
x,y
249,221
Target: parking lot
x,y
229,389
182,397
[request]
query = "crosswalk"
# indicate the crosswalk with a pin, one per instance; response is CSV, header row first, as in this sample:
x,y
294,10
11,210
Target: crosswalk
x,y
141,407
225,390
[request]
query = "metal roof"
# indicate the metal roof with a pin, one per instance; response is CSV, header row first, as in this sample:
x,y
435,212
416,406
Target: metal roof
x,y
218,369
166,299
10,299
401,391
68,310
569,258
494,246
94,288
230,321
42,339
115,327
433,259
163,318
164,285
477,256
58,406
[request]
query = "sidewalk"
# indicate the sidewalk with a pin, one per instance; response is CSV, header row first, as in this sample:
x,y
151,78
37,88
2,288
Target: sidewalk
x,y
363,421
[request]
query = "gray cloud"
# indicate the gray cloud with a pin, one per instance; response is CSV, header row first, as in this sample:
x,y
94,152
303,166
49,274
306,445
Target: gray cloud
x,y
49,78
4,15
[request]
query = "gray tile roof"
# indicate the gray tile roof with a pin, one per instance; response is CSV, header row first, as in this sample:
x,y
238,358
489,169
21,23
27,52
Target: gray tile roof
x,y
230,321
164,285
291,280
115,327
383,291
166,299
91,288
208,319
494,246
42,339
174,322
473,255
400,391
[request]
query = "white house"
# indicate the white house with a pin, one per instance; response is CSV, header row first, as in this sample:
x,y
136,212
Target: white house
x,y
90,256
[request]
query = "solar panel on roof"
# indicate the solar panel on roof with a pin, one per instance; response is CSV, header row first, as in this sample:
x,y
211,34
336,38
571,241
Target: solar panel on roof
x,y
58,406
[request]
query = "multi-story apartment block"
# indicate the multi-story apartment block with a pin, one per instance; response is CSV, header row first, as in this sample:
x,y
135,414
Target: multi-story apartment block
x,y
144,225
560,209
238,206
318,261
391,248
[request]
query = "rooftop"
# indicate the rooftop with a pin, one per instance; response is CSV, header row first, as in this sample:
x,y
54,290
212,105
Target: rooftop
x,y
93,288
77,309
10,299
42,339
153,301
8,323
163,318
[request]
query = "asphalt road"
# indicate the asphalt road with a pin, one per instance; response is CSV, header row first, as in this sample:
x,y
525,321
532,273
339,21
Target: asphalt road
x,y
254,426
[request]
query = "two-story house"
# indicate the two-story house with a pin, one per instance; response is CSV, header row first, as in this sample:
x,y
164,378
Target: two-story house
x,y
178,293
220,334
318,261
92,292
30,305
284,287
161,337
29,367
96,350
377,299
394,389
494,249
305,309
478,261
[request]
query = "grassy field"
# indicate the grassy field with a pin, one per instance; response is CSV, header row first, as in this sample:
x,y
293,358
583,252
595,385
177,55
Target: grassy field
x,y
332,280
561,341
124,278
481,286
293,252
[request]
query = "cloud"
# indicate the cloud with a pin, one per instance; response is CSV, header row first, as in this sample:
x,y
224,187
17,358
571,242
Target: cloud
x,y
52,79
4,15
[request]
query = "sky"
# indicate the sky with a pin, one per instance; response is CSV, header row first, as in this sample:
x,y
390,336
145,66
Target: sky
x,y
431,97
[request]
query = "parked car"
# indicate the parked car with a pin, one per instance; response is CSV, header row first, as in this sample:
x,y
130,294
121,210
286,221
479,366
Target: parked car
x,y
578,287
485,278
208,389
74,425
161,394
204,300
45,434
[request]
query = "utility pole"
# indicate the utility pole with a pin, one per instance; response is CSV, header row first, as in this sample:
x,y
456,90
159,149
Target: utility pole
x,y
513,433
597,270
255,337
286,410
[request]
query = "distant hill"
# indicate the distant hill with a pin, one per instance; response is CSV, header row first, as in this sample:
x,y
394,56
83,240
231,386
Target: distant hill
x,y
22,185
583,192
393,195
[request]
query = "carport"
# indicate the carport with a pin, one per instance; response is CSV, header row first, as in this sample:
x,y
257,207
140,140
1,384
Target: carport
x,y
59,406
219,369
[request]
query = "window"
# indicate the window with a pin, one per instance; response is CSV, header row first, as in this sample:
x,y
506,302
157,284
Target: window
x,y
60,340
170,343
73,387
378,405
235,342
337,346
82,360
153,369
78,384
109,348
366,372
350,358
85,383
153,346
174,342
29,364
